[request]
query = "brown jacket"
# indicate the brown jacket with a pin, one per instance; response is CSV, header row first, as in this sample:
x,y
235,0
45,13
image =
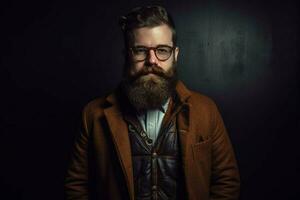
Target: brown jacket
x,y
101,165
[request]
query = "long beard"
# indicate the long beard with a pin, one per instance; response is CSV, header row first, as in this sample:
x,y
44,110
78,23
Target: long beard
x,y
150,91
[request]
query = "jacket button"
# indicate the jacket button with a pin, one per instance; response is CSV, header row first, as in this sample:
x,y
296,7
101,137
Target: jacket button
x,y
154,154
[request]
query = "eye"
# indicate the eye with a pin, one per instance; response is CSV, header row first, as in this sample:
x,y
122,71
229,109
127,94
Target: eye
x,y
163,50
139,50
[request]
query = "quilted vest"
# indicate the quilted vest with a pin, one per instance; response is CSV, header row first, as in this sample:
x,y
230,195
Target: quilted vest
x,y
156,166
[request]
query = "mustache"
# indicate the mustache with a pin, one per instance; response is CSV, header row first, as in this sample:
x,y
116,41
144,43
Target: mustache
x,y
154,69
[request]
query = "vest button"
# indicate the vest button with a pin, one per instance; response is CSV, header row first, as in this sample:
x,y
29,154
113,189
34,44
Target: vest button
x,y
154,187
149,141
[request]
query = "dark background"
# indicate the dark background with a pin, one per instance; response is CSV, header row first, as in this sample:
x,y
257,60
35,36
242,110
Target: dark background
x,y
58,55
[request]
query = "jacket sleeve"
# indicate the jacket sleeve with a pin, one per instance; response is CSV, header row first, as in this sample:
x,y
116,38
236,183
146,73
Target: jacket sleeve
x,y
225,179
76,180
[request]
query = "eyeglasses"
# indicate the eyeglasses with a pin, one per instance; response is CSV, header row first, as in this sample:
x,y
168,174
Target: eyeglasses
x,y
162,52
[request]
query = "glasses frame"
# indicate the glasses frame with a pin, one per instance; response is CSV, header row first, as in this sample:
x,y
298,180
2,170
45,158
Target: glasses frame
x,y
154,49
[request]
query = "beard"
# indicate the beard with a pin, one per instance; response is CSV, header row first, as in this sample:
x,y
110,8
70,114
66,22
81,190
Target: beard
x,y
151,87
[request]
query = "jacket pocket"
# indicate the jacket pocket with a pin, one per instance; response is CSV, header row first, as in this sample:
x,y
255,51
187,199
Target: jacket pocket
x,y
201,150
202,156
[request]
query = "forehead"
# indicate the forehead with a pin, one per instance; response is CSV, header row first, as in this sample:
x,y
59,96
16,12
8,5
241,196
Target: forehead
x,y
152,36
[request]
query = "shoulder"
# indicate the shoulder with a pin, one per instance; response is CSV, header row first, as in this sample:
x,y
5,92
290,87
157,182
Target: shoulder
x,y
95,105
205,113
196,101
202,102
95,108
200,98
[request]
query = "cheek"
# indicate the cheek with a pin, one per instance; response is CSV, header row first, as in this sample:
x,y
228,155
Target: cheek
x,y
136,67
166,65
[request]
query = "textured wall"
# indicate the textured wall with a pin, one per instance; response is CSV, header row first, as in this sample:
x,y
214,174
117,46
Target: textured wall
x,y
58,55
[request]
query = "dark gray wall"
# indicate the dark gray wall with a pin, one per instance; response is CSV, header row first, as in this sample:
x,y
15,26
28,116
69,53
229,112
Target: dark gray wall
x,y
56,56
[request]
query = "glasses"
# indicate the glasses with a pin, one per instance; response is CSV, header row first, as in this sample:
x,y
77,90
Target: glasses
x,y
162,52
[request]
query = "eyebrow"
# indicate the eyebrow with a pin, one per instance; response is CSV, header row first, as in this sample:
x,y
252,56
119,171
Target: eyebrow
x,y
159,45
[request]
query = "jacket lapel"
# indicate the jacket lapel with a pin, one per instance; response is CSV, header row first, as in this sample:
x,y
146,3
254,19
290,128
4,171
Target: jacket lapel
x,y
119,132
186,128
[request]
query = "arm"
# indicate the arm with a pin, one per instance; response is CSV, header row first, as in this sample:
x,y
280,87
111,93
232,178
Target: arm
x,y
76,181
225,180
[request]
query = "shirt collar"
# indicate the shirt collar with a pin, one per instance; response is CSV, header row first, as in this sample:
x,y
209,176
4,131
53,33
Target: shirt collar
x,y
164,107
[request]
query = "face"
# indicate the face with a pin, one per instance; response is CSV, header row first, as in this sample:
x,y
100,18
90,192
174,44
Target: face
x,y
152,37
149,83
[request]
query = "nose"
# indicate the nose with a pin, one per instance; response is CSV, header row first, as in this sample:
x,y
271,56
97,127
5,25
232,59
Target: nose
x,y
151,58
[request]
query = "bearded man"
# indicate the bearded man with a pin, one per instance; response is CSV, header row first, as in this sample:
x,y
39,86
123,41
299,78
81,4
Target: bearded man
x,y
152,139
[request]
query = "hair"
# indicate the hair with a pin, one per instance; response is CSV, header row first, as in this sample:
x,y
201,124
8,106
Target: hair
x,y
148,16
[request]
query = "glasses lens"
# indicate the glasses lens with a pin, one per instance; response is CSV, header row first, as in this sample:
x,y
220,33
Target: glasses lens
x,y
163,52
139,53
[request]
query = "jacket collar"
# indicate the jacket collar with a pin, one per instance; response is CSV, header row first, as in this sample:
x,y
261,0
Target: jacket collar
x,y
182,92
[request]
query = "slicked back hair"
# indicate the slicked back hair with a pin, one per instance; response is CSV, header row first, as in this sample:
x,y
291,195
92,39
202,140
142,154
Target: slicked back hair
x,y
148,16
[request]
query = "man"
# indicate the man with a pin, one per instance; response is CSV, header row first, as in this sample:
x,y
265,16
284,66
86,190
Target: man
x,y
152,138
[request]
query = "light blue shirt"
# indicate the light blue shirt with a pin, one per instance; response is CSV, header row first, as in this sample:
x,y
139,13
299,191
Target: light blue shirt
x,y
151,121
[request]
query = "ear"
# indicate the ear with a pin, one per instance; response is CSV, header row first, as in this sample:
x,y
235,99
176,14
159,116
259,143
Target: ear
x,y
176,53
